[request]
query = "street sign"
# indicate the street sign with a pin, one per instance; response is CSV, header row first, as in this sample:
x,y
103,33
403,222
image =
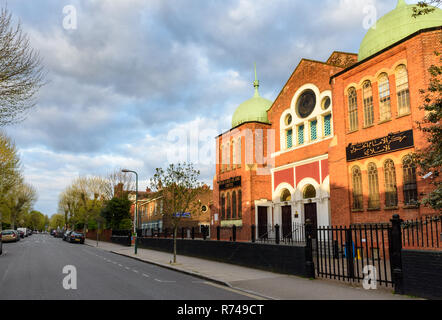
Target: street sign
x,y
182,215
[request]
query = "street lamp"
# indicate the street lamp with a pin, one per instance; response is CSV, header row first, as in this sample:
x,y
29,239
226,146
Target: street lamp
x,y
136,206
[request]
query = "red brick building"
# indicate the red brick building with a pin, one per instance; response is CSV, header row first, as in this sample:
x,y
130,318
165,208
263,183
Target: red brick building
x,y
334,145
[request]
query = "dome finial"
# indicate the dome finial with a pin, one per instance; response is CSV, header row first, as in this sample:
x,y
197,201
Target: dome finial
x,y
401,3
256,83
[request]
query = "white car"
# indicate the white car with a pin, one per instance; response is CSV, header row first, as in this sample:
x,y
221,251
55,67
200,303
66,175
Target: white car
x,y
25,231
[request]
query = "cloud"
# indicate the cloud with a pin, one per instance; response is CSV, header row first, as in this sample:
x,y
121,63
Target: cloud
x,y
135,72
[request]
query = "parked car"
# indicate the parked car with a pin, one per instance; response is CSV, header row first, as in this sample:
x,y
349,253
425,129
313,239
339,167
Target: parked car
x,y
10,236
76,237
53,232
67,235
24,230
1,244
21,233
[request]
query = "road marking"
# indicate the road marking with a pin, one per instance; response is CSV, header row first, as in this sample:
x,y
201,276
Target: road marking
x,y
127,268
235,291
120,265
136,271
145,275
164,281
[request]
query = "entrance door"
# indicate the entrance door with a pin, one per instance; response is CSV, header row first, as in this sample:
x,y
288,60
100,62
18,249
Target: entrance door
x,y
286,222
311,213
262,223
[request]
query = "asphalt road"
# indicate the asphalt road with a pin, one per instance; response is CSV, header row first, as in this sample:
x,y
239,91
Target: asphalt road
x,y
33,269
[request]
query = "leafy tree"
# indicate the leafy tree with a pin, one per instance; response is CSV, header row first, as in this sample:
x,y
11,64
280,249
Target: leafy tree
x,y
115,211
425,7
21,71
57,221
178,186
430,157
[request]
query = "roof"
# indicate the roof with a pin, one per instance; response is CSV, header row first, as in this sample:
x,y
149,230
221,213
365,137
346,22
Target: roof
x,y
395,26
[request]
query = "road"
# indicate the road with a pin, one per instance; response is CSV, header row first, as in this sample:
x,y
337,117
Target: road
x,y
33,269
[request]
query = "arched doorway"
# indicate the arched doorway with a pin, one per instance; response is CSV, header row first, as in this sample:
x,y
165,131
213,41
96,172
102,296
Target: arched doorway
x,y
286,215
310,208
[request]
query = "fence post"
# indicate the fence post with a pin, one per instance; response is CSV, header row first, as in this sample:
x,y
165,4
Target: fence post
x,y
309,265
349,253
396,253
218,233
234,233
165,233
277,234
182,233
193,233
204,230
253,233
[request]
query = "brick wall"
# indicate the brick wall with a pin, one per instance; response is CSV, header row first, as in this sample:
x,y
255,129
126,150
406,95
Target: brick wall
x,y
422,274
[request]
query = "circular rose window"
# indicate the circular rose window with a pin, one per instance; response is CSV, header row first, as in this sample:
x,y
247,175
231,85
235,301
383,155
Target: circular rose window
x,y
306,103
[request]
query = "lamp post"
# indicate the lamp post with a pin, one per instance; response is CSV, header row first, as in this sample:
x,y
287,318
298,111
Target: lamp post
x,y
136,206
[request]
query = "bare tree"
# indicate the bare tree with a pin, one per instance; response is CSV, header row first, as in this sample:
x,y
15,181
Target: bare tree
x,y
21,71
118,182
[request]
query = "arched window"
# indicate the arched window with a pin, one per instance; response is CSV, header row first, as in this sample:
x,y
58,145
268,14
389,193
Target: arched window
x,y
234,207
239,204
367,95
238,153
384,97
234,154
410,186
286,196
353,109
390,184
229,208
223,207
373,186
403,93
309,192
357,188
289,138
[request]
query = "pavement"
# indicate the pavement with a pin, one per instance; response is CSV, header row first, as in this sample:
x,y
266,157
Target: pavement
x,y
256,282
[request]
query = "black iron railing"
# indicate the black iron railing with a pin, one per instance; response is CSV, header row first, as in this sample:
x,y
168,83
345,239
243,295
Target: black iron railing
x,y
424,232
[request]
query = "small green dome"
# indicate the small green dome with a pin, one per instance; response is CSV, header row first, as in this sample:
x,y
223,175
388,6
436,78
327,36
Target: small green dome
x,y
253,110
395,26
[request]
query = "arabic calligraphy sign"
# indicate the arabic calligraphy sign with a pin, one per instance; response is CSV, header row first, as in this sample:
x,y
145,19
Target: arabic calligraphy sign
x,y
392,142
230,184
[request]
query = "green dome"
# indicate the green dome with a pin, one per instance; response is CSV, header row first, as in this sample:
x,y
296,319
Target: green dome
x,y
395,26
253,110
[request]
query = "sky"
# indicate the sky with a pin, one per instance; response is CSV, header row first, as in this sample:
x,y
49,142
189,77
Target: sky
x,y
134,83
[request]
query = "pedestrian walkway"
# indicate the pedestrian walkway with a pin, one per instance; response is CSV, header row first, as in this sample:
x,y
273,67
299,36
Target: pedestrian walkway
x,y
263,283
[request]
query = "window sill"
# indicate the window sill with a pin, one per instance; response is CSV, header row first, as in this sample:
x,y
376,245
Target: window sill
x,y
374,209
403,115
357,210
411,206
352,131
384,121
369,126
391,208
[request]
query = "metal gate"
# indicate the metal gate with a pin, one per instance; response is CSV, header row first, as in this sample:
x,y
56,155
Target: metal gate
x,y
353,253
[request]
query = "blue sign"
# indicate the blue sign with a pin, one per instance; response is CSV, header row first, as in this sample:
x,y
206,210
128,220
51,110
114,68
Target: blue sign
x,y
182,215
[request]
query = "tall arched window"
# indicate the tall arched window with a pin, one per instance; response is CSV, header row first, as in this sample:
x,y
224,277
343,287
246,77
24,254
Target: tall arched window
x,y
410,186
229,207
234,154
223,207
390,184
403,93
353,109
238,153
239,204
234,207
357,188
373,186
367,95
384,97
